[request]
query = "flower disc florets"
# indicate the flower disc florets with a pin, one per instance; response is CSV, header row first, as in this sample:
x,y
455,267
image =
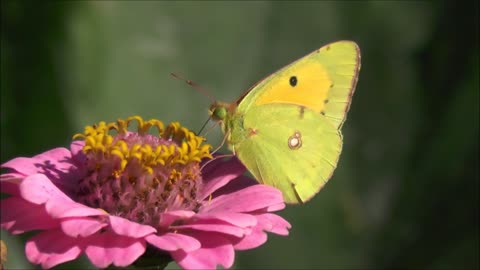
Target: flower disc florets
x,y
138,175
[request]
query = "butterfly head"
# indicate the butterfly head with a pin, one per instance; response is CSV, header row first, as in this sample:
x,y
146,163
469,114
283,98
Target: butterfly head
x,y
219,111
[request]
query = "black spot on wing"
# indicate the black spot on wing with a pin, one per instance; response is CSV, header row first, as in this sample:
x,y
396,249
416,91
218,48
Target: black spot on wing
x,y
293,81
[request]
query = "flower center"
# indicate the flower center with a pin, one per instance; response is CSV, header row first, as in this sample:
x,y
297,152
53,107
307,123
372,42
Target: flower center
x,y
137,175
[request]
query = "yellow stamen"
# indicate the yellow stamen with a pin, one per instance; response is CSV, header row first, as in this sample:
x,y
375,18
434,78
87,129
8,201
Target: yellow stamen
x,y
188,147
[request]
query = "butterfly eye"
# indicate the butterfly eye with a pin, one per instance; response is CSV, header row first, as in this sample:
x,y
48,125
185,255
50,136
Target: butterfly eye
x,y
293,80
219,113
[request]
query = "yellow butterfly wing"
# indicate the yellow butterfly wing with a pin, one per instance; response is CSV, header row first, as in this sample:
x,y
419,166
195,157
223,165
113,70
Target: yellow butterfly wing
x,y
323,81
293,150
286,129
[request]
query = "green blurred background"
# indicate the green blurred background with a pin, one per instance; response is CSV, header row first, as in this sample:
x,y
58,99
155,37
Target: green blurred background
x,y
405,194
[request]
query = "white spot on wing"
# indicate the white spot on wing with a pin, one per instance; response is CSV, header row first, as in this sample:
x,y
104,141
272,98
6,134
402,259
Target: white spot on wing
x,y
295,141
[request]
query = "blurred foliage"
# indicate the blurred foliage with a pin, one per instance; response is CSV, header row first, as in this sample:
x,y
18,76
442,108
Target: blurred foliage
x,y
405,194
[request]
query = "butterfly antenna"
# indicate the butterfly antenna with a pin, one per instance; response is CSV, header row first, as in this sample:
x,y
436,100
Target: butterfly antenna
x,y
210,128
194,86
215,158
204,124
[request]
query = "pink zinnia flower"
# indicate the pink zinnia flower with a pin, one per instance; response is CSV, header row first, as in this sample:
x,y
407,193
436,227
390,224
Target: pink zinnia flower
x,y
132,196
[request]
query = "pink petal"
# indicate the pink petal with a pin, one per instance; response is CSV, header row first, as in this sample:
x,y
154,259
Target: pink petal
x,y
81,226
266,222
128,228
51,248
253,240
19,216
63,209
218,173
13,176
212,227
167,218
236,184
56,164
215,250
107,248
9,183
246,200
275,207
237,219
273,223
38,189
33,165
78,156
173,242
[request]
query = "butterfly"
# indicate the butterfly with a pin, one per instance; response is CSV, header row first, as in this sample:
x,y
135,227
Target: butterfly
x,y
286,129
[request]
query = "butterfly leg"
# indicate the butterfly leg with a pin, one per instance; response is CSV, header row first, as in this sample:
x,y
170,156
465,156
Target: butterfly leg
x,y
220,146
